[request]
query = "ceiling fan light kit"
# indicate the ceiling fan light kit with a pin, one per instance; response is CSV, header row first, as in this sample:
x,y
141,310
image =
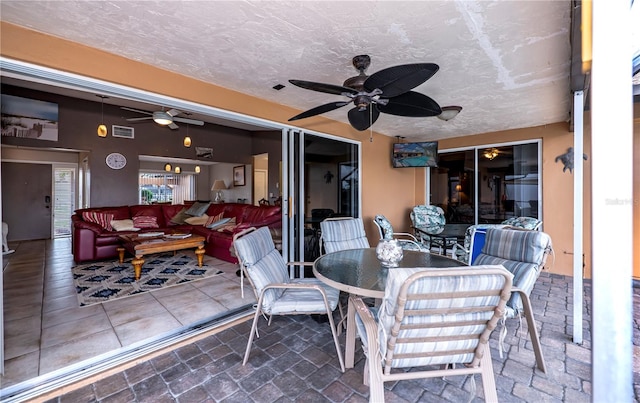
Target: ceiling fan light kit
x,y
163,118
449,112
386,91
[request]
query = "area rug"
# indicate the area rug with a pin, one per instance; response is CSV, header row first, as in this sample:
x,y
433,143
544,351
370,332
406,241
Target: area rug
x,y
106,281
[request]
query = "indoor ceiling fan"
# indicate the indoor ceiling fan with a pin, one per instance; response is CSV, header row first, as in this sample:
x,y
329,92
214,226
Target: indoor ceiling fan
x,y
387,91
163,118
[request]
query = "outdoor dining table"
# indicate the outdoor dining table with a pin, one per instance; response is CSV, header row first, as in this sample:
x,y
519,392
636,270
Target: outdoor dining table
x,y
359,272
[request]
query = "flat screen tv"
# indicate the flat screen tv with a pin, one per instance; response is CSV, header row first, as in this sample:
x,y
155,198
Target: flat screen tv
x,y
409,155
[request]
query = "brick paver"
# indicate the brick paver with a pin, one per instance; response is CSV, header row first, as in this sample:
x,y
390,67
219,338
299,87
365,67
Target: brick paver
x,y
294,360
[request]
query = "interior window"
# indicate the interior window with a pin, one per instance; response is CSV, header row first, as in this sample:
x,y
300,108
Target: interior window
x,y
165,188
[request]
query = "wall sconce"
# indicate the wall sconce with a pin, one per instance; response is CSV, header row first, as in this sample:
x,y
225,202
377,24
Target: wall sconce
x,y
187,141
178,170
167,167
102,129
491,153
197,169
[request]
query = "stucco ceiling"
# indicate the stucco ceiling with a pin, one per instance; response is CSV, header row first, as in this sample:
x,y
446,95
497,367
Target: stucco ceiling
x,y
507,63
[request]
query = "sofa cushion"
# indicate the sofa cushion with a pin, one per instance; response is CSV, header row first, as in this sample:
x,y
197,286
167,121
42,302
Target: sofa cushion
x,y
180,217
202,220
153,210
145,221
198,209
218,223
123,225
102,219
214,218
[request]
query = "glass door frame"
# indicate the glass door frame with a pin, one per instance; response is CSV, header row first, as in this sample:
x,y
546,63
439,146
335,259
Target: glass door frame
x,y
293,188
477,149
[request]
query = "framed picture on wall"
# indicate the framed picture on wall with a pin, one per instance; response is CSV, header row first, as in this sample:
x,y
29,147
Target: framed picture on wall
x,y
238,176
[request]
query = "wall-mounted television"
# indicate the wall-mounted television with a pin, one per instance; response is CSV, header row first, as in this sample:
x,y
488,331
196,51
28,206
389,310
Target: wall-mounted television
x,y
409,155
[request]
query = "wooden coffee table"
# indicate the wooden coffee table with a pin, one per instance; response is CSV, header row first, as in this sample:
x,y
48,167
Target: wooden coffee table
x,y
140,246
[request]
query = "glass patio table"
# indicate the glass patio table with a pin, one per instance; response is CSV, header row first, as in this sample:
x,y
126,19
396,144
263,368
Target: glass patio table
x,y
359,272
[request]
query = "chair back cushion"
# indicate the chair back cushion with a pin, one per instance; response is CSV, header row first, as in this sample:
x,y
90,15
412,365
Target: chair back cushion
x,y
384,226
429,219
521,252
263,263
523,222
343,234
433,316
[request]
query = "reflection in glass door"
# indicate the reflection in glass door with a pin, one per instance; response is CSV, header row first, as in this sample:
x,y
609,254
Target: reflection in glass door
x,y
322,180
487,185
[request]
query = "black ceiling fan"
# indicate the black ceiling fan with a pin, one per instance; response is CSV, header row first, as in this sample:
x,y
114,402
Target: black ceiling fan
x,y
387,91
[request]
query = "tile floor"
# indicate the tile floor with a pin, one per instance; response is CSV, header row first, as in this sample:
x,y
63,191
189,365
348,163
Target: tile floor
x,y
46,329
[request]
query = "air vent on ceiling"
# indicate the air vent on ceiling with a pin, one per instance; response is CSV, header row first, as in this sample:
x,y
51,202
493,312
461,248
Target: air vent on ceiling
x,y
122,131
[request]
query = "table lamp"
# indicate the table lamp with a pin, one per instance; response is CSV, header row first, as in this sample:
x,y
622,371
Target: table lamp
x,y
218,187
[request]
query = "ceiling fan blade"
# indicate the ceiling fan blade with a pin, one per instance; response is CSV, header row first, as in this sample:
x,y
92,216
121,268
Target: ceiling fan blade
x,y
320,109
189,121
137,119
320,87
136,110
172,126
412,104
397,80
362,120
173,112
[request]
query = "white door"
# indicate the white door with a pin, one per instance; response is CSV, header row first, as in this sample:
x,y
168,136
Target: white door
x,y
260,191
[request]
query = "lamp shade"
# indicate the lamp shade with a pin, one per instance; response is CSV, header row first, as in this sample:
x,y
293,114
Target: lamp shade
x,y
197,169
218,185
178,170
187,141
102,130
167,167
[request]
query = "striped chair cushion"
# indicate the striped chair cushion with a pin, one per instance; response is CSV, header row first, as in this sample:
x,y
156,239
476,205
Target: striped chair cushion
x,y
520,252
305,300
102,219
387,312
343,234
522,246
263,262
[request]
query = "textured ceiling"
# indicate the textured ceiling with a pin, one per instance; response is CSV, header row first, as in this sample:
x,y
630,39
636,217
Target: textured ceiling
x,y
506,63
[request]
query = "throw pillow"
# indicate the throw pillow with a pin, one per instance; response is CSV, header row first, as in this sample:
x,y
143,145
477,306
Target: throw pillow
x,y
229,226
218,223
145,221
198,209
213,219
124,225
180,217
202,220
102,219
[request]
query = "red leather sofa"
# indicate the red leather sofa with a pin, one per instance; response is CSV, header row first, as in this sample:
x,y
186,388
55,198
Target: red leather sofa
x,y
90,241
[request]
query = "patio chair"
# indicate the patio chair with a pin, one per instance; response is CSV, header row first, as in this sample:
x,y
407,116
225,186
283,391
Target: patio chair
x,y
473,242
340,233
428,219
276,292
406,240
523,253
433,317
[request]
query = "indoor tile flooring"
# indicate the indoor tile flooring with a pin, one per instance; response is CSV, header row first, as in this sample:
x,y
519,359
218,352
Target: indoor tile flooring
x,y
46,329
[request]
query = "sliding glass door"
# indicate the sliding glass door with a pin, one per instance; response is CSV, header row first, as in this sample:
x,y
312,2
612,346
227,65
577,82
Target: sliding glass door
x,y
321,178
488,184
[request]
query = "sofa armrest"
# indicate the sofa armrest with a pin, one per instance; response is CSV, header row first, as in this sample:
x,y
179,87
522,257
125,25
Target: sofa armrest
x,y
79,223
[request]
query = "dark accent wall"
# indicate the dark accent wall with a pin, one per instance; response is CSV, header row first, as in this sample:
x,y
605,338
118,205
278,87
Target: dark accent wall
x,y
78,121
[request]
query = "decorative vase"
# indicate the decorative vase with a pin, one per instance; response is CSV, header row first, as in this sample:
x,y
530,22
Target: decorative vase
x,y
389,252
